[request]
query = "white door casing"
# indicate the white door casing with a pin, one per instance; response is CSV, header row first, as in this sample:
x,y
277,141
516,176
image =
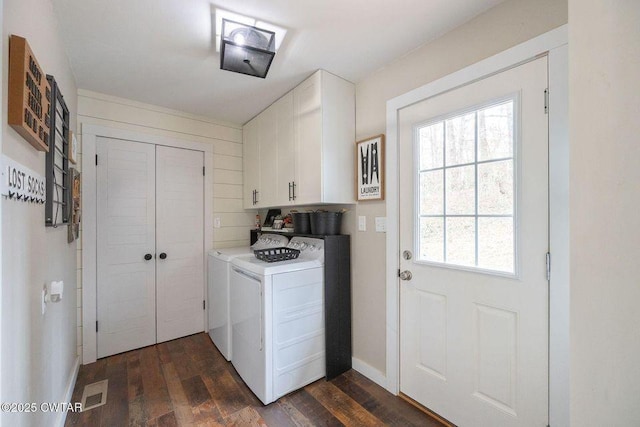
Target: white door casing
x,y
180,236
474,345
126,233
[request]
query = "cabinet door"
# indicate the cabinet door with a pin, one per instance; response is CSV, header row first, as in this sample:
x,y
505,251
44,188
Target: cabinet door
x,y
307,101
251,163
285,144
268,162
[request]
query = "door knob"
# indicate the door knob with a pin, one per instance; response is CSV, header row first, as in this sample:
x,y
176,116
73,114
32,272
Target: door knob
x,y
163,255
406,275
147,257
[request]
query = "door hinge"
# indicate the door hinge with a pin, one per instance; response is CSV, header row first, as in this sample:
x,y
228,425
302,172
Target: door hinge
x,y
204,305
96,160
398,272
203,171
548,266
96,326
546,101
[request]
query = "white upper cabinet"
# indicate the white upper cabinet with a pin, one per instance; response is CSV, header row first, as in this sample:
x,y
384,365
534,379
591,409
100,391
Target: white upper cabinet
x,y
285,144
305,152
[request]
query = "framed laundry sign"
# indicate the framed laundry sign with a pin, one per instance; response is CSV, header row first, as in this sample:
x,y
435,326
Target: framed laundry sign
x,y
370,168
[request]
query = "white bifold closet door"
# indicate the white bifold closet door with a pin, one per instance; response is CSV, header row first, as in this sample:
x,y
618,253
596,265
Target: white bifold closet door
x,y
180,236
150,244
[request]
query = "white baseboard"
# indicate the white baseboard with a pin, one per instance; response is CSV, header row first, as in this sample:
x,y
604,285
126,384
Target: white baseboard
x,y
370,372
62,416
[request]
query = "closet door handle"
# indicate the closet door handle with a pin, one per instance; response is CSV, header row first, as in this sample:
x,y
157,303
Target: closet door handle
x,y
148,257
163,255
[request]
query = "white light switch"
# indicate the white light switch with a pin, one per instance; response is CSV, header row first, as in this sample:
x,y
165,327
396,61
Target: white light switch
x,y
381,224
362,223
217,223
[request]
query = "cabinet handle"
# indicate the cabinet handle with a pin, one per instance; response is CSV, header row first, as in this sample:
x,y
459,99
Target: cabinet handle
x,y
254,197
163,255
294,190
257,199
148,257
289,191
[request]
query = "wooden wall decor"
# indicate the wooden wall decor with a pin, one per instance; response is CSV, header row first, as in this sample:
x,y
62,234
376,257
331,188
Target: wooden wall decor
x,y
75,186
29,95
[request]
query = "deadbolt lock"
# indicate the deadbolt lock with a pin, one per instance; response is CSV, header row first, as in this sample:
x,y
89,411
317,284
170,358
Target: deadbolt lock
x,y
407,255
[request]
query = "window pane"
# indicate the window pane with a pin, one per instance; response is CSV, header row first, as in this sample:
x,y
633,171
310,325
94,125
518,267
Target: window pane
x,y
495,188
461,241
432,239
432,146
461,195
431,193
495,244
461,139
495,132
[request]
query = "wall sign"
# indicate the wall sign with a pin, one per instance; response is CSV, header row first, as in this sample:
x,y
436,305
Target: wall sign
x,y
21,183
370,168
29,95
75,185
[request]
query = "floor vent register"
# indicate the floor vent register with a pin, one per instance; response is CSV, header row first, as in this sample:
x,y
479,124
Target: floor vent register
x,y
94,395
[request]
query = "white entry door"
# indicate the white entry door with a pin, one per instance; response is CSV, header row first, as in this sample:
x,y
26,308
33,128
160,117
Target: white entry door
x,y
126,230
474,222
179,242
150,244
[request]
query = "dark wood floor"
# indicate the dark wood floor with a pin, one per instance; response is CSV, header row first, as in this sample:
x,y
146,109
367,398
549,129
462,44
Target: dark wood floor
x,y
187,382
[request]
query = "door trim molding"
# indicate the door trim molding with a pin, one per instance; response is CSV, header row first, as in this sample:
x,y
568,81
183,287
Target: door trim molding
x,y
90,134
553,44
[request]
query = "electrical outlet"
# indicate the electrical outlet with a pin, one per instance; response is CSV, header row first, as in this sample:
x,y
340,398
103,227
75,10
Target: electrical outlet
x,y
362,223
381,224
217,223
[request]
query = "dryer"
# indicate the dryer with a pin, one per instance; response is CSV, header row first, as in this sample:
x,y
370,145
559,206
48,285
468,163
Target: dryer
x,y
218,288
277,320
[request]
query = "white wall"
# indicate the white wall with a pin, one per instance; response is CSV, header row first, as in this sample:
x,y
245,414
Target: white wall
x,y
38,351
604,105
506,25
226,138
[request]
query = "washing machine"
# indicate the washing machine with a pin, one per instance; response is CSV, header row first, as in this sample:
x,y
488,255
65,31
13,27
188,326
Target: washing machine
x,y
218,288
277,320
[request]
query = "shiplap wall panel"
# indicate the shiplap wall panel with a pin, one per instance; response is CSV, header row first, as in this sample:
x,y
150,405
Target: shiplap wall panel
x,y
228,191
221,205
124,111
232,163
223,176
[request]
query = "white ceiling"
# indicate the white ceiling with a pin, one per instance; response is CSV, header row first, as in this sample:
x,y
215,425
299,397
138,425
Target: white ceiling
x,y
162,51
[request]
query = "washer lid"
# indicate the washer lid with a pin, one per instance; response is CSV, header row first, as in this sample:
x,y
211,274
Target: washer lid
x,y
227,254
252,264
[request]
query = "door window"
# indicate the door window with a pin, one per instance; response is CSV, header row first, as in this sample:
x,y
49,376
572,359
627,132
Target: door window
x,y
465,181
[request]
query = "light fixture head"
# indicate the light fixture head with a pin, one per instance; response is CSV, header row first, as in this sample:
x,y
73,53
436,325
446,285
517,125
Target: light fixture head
x,y
246,49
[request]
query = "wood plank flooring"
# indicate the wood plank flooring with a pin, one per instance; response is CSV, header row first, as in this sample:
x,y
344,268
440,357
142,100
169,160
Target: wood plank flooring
x,y
187,382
